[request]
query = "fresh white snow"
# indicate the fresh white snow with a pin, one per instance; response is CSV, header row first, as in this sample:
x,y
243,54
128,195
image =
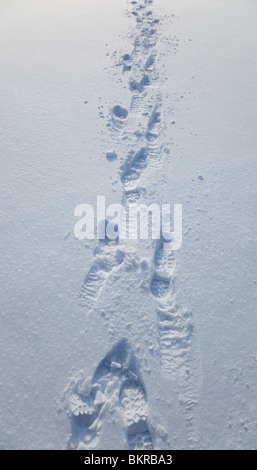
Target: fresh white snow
x,y
125,345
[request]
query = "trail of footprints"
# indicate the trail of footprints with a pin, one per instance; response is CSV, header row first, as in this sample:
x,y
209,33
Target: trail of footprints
x,y
141,64
115,383
176,332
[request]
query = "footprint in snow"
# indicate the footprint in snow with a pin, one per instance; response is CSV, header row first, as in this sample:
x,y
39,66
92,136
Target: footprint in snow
x,y
115,382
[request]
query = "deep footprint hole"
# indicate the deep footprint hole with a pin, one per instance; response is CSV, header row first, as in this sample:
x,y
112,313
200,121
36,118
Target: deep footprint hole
x,y
120,112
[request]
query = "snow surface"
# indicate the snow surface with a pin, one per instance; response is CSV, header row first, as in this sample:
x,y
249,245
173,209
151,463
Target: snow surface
x,y
124,345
